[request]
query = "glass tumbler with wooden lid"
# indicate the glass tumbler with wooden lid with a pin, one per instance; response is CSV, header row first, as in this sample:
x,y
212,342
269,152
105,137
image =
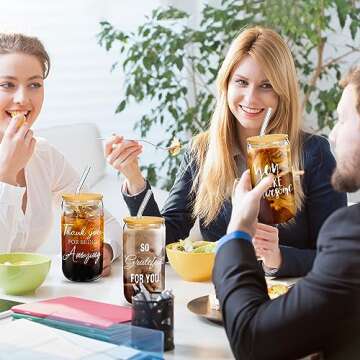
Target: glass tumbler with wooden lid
x,y
143,254
82,233
270,154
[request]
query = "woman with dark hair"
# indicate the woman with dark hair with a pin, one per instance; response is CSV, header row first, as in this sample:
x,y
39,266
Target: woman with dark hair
x,y
33,174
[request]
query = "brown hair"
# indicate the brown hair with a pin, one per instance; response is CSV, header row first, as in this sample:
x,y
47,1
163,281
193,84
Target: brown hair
x,y
213,149
20,43
353,78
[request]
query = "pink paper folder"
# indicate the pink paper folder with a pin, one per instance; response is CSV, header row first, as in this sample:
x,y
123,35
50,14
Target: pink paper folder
x,y
77,310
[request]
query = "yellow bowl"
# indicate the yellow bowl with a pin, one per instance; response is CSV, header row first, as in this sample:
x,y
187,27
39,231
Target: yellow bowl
x,y
191,266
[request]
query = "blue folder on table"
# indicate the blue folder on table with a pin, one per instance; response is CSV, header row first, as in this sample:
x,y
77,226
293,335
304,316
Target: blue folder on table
x,y
24,339
147,340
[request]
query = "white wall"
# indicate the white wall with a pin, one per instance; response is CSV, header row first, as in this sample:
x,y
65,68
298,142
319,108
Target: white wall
x,y
80,87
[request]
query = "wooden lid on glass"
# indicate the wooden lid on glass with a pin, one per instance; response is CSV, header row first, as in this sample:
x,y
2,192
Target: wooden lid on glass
x,y
144,220
81,197
265,140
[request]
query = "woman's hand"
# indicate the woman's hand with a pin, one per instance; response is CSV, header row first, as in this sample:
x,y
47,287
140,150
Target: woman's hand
x,y
107,257
16,149
123,156
266,244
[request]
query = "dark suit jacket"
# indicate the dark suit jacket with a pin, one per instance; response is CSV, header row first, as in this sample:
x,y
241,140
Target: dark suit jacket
x,y
320,313
297,240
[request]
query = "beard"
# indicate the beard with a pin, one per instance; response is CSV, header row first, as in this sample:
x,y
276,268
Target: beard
x,y
346,178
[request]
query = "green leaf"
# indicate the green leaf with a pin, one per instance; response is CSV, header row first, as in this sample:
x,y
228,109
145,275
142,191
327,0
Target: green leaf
x,y
354,26
200,68
151,173
147,63
308,107
179,63
120,107
173,112
341,7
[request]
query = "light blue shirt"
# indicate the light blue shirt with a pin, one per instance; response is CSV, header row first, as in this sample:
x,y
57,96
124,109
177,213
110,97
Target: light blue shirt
x,y
234,235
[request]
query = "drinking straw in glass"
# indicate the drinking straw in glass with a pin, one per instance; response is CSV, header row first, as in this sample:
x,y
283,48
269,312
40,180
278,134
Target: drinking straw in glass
x,y
266,121
82,179
144,203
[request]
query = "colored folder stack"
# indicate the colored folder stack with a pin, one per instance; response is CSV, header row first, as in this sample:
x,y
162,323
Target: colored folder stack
x,y
97,320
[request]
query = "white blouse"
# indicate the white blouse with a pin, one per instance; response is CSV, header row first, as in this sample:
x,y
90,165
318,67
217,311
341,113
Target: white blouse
x,y
48,175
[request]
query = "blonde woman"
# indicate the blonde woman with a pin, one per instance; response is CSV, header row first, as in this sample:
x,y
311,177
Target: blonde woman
x,y
258,72
33,174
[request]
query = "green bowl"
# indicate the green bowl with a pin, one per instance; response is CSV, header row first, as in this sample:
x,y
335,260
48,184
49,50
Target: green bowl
x,y
21,273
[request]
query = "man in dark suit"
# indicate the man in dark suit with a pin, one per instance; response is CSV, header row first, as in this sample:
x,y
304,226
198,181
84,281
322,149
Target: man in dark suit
x,y
321,313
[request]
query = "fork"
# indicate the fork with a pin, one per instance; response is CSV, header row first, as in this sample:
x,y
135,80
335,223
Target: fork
x,y
166,148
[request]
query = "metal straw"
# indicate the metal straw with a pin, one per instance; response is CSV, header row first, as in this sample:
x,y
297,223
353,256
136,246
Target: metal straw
x,y
83,178
266,121
144,203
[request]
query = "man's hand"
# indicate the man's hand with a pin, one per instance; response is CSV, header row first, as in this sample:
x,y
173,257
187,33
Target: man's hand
x,y
246,203
266,244
107,257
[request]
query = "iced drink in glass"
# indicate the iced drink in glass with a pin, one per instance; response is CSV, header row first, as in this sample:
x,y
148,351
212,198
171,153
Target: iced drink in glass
x,y
270,154
82,233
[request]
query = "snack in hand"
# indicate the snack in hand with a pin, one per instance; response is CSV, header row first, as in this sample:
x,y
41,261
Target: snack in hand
x,y
15,113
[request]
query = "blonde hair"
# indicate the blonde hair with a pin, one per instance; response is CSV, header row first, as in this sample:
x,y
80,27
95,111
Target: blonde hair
x,y
213,149
19,43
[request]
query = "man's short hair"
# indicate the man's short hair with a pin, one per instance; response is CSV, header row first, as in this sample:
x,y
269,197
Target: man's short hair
x,y
353,78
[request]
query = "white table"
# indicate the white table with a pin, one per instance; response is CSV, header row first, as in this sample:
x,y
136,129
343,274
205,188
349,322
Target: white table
x,y
195,337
